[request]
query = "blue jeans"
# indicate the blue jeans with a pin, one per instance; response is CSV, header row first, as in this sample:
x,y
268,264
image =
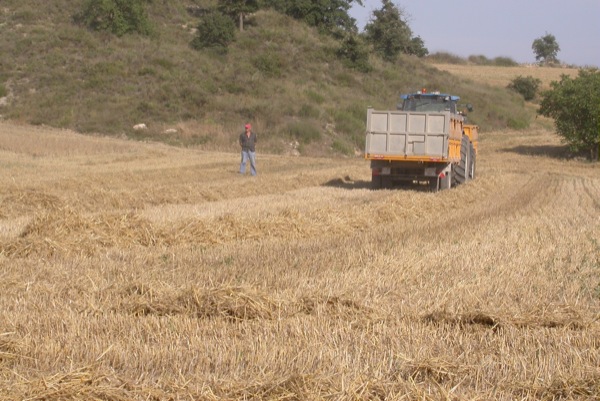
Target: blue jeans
x,y
248,155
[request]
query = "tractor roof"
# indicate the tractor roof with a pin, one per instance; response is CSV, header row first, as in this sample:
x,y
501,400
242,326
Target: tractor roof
x,y
430,94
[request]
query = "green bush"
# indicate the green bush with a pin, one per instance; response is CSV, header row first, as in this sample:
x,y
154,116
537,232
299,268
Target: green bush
x,y
117,16
498,61
3,90
505,62
354,53
526,86
446,58
215,31
479,59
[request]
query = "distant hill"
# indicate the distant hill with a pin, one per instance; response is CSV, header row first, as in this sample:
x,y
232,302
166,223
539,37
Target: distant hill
x,y
279,74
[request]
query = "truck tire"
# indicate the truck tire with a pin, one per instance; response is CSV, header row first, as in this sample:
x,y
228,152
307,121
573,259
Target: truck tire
x,y
386,182
376,182
462,169
434,184
473,161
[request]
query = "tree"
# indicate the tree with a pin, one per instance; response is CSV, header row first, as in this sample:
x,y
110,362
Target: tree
x,y
328,15
417,47
215,31
117,16
238,9
354,53
546,49
574,104
390,35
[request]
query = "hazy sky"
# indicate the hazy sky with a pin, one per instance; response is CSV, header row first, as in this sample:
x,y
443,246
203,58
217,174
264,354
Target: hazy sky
x,y
496,28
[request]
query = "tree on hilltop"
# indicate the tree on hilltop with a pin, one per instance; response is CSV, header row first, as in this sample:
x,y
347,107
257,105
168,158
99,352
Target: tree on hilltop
x,y
327,15
546,49
117,16
389,33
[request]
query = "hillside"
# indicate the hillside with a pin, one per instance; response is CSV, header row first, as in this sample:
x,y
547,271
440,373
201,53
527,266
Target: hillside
x,y
137,271
502,76
280,74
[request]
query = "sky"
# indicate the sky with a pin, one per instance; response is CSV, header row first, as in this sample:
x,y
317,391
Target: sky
x,y
500,28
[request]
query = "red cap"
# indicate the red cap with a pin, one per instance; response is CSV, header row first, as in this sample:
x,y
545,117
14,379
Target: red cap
x,y
248,126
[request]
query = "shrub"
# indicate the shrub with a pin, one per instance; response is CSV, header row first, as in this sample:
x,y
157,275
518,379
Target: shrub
x,y
478,59
354,53
526,86
116,16
3,91
215,31
446,58
498,61
505,62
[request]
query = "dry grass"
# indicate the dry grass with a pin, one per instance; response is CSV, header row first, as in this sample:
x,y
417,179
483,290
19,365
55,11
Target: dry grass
x,y
502,76
141,271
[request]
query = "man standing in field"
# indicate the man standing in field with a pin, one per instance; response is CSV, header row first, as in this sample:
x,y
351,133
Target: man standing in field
x,y
248,144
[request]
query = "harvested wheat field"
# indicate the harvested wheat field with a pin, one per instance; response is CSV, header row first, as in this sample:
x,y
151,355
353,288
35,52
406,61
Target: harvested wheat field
x,y
138,271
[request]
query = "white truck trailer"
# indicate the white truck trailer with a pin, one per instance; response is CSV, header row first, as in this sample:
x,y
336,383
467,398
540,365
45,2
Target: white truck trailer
x,y
426,141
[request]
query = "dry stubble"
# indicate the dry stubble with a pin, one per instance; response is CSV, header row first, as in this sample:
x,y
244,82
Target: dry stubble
x,y
132,271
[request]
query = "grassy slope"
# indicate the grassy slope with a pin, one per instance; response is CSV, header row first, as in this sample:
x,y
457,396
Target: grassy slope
x,y
279,74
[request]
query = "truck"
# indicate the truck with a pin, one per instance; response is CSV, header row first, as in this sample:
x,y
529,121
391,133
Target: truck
x,y
425,141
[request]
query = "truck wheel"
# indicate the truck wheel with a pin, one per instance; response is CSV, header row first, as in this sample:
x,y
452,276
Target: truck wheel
x,y
473,160
462,169
433,184
376,182
386,182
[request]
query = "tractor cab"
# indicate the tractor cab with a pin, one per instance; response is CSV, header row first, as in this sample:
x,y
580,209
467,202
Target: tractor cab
x,y
429,102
